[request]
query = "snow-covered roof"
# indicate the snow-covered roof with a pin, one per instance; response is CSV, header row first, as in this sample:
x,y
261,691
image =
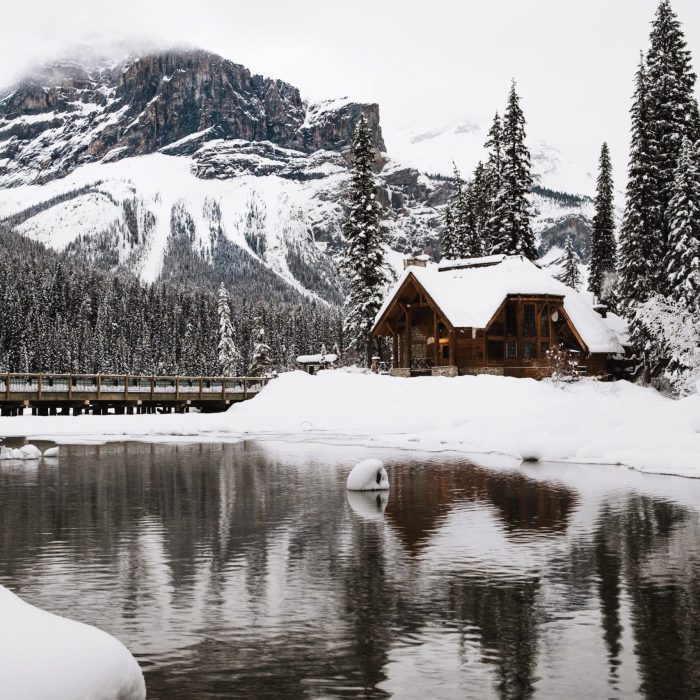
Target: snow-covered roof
x,y
470,294
327,359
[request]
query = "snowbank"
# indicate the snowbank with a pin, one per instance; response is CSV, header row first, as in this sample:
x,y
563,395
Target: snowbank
x,y
27,452
46,657
586,422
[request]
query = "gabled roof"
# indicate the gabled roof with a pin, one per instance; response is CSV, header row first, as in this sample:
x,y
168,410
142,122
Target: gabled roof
x,y
469,292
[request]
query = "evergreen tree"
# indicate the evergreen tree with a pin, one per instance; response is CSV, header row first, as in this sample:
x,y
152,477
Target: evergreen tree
x,y
449,235
511,228
673,109
641,247
229,357
471,243
363,260
683,263
261,362
481,207
571,275
463,217
492,180
603,246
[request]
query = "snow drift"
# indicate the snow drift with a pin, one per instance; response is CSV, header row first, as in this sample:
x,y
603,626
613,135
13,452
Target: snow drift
x,y
585,422
47,657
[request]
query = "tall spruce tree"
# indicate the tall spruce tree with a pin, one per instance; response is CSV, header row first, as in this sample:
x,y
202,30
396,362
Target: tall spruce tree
x,y
493,175
603,246
673,109
472,246
512,229
571,276
683,263
229,357
462,216
641,249
363,259
448,238
481,204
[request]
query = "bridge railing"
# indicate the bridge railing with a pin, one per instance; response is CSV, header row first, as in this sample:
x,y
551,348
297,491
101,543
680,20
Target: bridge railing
x,y
126,387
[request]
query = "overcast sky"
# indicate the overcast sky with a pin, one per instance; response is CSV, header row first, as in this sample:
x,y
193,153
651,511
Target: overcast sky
x,y
424,62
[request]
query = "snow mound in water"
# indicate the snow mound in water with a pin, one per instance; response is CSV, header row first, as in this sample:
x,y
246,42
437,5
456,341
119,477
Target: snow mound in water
x,y
51,452
26,452
44,656
368,475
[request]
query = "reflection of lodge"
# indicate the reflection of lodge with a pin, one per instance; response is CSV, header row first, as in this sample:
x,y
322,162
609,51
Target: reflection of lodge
x,y
522,504
496,315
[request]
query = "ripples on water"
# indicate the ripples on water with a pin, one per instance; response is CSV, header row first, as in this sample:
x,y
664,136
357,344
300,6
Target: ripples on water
x,y
246,570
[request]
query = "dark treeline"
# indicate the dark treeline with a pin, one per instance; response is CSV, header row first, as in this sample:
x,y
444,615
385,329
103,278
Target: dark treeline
x,y
58,314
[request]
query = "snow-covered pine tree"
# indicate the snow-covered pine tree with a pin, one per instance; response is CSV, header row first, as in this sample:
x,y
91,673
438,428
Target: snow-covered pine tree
x,y
571,276
470,243
683,262
448,239
462,216
363,260
641,249
493,172
480,205
673,109
229,357
603,245
261,362
512,229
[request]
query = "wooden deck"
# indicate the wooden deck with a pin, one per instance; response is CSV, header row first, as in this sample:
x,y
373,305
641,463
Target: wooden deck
x,y
61,394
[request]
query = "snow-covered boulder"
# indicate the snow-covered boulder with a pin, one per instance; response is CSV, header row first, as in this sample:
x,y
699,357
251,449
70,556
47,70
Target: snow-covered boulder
x,y
47,657
368,475
29,452
369,505
51,452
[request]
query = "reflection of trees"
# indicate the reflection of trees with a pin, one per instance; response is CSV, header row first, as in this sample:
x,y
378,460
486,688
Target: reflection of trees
x,y
369,602
506,616
274,587
645,544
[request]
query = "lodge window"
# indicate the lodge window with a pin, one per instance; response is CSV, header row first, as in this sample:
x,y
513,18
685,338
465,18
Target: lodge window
x,y
511,320
529,320
512,349
544,322
528,350
494,349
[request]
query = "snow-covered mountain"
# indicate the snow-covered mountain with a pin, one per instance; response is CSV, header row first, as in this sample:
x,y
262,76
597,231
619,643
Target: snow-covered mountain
x,y
177,162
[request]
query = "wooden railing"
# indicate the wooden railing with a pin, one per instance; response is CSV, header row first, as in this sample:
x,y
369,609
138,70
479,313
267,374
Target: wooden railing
x,y
126,387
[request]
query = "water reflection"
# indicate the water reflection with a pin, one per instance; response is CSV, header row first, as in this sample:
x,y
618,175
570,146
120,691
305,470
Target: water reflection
x,y
247,570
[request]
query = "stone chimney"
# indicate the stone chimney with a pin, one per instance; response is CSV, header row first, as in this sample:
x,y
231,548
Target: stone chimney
x,y
415,260
602,309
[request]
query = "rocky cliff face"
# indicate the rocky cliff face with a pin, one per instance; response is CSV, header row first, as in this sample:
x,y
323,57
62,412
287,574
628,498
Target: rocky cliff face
x,y
67,115
183,153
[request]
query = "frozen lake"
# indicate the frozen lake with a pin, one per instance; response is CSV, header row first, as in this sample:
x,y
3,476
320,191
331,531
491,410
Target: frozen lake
x,y
246,570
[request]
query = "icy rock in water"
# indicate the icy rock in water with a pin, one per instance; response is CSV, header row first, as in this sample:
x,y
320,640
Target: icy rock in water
x,y
368,475
29,452
47,657
368,505
51,452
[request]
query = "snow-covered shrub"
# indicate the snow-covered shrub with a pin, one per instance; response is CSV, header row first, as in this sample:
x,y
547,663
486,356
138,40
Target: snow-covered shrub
x,y
560,365
674,330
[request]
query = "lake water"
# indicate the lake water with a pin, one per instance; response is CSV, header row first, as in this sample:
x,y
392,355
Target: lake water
x,y
246,570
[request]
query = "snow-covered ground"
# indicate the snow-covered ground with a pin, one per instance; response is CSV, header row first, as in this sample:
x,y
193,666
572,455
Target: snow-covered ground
x,y
44,656
585,422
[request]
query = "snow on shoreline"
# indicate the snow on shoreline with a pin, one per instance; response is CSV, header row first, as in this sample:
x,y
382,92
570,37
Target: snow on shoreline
x,y
586,422
45,656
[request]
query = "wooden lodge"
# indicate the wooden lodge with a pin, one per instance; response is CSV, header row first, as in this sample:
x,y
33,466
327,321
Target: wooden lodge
x,y
493,315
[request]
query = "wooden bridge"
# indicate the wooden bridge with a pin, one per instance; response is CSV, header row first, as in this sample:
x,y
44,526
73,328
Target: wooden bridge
x,y
61,394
